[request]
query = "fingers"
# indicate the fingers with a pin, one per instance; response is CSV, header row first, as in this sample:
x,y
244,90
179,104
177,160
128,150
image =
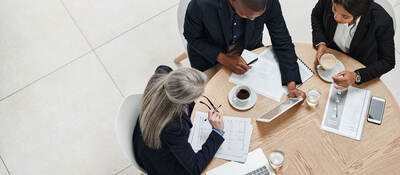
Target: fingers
x,y
301,94
338,79
343,73
239,70
340,87
245,66
318,56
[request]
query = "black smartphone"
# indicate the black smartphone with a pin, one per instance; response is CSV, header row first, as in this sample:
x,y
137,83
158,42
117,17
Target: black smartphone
x,y
376,109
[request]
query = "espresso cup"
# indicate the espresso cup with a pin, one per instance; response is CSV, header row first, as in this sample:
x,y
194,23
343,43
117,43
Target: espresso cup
x,y
328,62
242,95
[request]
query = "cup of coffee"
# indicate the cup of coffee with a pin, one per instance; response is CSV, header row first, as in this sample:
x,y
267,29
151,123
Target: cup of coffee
x,y
327,61
242,95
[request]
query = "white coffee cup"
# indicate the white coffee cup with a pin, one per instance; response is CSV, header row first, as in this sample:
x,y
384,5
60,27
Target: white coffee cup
x,y
242,95
328,62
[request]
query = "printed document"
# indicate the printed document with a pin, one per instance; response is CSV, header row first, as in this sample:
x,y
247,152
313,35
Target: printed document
x,y
237,136
346,111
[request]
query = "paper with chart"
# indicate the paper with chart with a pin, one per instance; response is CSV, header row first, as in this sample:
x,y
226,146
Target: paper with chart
x,y
237,136
265,76
346,111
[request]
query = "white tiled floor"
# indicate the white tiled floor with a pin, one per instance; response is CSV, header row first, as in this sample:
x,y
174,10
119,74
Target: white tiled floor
x,y
63,124
141,50
59,61
102,20
36,38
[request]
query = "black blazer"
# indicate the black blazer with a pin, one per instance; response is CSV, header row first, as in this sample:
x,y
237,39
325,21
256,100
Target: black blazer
x,y
372,44
207,25
176,155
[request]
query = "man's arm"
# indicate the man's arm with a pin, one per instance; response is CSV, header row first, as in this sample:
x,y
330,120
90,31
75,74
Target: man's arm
x,y
282,44
194,33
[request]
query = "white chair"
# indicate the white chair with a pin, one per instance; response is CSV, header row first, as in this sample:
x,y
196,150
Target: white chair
x,y
125,124
389,9
183,4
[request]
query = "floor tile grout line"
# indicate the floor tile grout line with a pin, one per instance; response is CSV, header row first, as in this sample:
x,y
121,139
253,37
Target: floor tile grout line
x,y
4,163
123,169
136,26
91,47
46,75
109,74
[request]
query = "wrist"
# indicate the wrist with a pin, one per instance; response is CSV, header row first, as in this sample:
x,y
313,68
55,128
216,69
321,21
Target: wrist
x,y
356,77
221,58
291,85
219,131
321,44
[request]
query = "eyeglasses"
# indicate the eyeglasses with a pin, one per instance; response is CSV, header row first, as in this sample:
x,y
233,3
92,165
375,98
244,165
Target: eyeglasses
x,y
212,105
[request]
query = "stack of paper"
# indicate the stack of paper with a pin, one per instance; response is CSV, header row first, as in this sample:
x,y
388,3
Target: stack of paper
x,y
237,136
264,76
346,111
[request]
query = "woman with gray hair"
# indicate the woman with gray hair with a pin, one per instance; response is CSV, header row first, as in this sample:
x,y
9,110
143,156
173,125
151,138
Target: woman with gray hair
x,y
161,136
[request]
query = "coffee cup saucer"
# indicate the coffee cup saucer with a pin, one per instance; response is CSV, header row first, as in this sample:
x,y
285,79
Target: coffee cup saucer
x,y
327,75
250,104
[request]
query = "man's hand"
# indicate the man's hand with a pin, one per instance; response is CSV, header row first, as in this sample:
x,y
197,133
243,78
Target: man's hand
x,y
294,92
344,79
321,50
234,63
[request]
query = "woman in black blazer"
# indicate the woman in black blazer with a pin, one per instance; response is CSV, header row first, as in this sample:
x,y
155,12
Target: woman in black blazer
x,y
161,135
361,29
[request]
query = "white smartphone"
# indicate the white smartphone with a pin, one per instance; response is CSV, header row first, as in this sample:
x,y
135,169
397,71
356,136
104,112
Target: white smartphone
x,y
376,109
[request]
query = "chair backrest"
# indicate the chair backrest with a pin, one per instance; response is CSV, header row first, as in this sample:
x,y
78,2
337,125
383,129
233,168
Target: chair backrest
x,y
389,9
183,4
125,124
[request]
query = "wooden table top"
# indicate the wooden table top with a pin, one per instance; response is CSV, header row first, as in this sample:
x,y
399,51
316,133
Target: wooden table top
x,y
308,149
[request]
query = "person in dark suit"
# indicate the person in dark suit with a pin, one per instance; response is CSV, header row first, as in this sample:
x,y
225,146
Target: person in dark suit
x,y
160,138
217,31
361,29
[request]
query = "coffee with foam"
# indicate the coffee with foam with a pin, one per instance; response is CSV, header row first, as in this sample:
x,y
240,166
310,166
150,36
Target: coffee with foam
x,y
328,61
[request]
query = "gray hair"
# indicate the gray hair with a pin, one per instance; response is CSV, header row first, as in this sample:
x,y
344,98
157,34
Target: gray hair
x,y
164,98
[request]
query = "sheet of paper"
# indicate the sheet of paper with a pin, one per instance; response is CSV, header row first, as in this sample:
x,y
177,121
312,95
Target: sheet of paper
x,y
249,56
345,113
237,136
263,77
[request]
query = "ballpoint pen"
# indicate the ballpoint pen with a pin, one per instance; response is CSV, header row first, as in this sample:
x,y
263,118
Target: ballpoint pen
x,y
251,62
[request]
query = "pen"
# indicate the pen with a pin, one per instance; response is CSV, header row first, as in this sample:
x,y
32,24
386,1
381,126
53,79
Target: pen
x,y
251,62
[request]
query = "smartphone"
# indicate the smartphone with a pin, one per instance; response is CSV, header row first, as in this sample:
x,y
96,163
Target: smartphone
x,y
376,109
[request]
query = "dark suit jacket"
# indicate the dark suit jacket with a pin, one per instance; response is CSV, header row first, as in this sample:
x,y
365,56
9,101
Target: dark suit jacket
x,y
207,25
176,155
372,44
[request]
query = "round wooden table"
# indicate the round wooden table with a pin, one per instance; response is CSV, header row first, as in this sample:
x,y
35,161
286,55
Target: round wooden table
x,y
308,149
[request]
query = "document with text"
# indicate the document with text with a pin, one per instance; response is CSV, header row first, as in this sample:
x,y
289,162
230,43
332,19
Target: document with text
x,y
346,111
237,136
